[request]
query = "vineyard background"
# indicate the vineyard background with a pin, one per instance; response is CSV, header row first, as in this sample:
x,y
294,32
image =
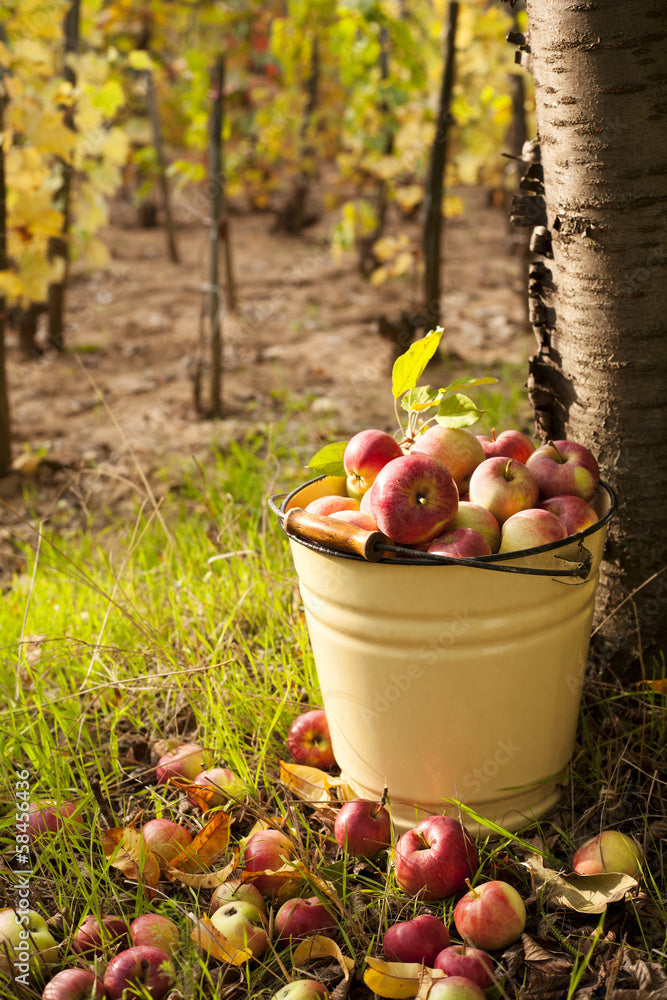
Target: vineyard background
x,y
329,117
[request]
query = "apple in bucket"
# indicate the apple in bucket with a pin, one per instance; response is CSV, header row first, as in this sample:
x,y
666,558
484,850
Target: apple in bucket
x,y
414,499
365,454
457,448
564,467
504,486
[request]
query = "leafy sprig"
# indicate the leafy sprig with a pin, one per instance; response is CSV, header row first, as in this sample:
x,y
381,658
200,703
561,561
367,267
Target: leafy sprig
x,y
423,404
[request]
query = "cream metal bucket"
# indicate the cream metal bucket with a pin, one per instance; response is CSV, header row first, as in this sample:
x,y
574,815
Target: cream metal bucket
x,y
451,682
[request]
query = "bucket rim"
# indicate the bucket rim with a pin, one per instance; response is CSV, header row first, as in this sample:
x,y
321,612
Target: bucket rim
x,y
279,504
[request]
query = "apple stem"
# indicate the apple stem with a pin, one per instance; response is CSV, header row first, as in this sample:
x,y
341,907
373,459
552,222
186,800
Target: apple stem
x,y
559,457
508,470
471,889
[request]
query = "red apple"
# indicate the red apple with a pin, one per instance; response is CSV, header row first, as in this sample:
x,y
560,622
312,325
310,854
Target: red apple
x,y
356,517
504,487
508,444
219,785
74,984
460,543
363,827
365,454
235,890
564,467
418,940
100,936
366,502
243,925
49,817
330,504
414,499
473,515
472,963
267,851
166,839
529,528
575,513
157,930
490,916
309,740
301,989
300,917
434,858
609,851
184,762
457,448
140,967
456,988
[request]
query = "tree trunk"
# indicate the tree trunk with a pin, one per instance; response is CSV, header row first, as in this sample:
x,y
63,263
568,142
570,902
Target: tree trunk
x,y
5,427
215,182
434,187
599,374
161,162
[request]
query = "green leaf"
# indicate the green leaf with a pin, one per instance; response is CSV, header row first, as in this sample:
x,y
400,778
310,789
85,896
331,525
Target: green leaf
x,y
457,411
328,461
422,397
408,368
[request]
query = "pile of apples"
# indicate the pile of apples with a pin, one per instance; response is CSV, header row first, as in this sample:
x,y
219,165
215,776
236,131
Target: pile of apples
x,y
457,494
253,910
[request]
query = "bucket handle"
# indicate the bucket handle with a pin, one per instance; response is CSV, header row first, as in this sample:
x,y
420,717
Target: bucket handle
x,y
322,532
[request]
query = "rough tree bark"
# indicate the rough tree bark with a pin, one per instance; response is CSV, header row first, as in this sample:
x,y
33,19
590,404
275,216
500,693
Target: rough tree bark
x,y
599,305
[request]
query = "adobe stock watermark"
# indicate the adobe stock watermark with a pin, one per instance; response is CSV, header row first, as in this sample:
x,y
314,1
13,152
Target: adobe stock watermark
x,y
396,686
22,871
474,781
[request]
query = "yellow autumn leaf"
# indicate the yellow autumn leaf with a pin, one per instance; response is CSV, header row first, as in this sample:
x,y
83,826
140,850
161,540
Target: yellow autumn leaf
x,y
139,60
125,849
320,946
583,893
409,196
379,276
48,132
401,264
397,980
309,783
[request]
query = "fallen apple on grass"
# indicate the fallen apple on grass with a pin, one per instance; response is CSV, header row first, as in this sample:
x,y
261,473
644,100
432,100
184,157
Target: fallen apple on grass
x,y
309,740
528,529
156,930
27,946
243,925
420,939
100,936
490,916
365,454
561,467
414,499
219,784
235,890
363,827
184,762
457,448
471,963
49,817
609,851
456,988
139,971
267,851
74,984
301,989
504,486
301,917
434,859
166,839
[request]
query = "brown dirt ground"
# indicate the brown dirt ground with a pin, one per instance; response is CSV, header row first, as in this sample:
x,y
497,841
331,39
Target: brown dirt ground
x,y
123,390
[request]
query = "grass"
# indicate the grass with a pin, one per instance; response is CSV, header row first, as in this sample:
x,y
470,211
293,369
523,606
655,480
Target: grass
x,y
183,622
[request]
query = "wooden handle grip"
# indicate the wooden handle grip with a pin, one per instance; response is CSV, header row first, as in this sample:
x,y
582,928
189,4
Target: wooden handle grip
x,y
341,536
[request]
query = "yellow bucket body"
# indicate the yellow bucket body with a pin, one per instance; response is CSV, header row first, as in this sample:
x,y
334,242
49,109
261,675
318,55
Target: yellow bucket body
x,y
450,683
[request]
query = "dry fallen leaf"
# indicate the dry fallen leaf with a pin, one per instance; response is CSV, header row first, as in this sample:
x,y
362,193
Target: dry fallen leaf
x,y
399,980
207,846
308,783
203,880
583,893
126,850
320,946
